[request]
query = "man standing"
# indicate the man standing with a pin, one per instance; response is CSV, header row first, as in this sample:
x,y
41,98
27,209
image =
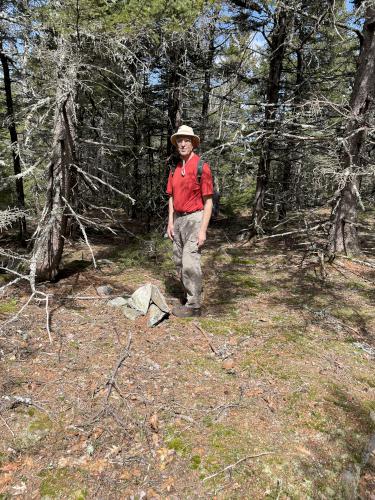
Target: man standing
x,y
190,208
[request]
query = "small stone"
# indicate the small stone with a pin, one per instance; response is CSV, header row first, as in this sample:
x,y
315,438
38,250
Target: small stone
x,y
104,290
130,313
104,262
153,365
349,482
156,315
158,299
118,302
369,455
154,422
141,298
228,364
90,449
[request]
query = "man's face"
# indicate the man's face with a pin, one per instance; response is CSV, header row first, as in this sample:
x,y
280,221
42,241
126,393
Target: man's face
x,y
184,146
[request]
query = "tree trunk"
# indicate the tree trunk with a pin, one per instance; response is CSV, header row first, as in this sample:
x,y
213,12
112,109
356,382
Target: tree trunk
x,y
174,94
343,237
207,83
52,229
290,162
136,188
277,48
13,139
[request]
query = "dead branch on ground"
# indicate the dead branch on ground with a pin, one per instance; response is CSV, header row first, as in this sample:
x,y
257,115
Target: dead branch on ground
x,y
10,402
232,466
212,347
111,383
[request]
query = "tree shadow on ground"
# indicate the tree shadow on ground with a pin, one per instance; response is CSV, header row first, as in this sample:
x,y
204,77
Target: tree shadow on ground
x,y
348,423
324,300
236,272
233,271
72,268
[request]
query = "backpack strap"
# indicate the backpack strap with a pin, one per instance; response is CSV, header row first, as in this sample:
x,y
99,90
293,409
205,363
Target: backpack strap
x,y
200,170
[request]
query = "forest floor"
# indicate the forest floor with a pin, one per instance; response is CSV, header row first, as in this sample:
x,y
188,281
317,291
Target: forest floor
x,y
270,394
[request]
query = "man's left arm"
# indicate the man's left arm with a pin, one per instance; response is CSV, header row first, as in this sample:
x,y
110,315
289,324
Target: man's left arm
x,y
207,211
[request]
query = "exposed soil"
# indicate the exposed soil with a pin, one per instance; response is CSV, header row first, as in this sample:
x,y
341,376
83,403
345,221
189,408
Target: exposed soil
x,y
270,394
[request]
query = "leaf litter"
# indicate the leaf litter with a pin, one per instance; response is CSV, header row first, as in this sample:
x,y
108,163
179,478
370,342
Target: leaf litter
x,y
261,395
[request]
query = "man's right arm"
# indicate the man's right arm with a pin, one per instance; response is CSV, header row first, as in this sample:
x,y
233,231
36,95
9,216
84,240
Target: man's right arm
x,y
170,230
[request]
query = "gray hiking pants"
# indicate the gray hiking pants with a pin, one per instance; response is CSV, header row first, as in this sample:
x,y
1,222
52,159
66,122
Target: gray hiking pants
x,y
187,255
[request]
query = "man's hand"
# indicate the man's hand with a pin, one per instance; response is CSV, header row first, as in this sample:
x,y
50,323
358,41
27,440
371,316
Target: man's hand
x,y
201,238
170,231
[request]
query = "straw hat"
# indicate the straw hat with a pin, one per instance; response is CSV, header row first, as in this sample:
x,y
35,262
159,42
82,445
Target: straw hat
x,y
185,131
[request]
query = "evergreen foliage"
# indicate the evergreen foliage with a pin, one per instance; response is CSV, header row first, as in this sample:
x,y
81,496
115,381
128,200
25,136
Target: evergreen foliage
x,y
138,70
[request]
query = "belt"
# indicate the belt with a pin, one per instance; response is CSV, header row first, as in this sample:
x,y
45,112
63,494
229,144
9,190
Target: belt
x,y
187,213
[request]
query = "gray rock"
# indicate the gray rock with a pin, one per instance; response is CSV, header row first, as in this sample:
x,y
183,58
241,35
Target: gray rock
x,y
152,364
365,347
104,290
118,302
140,299
130,313
156,315
369,454
105,262
349,482
158,299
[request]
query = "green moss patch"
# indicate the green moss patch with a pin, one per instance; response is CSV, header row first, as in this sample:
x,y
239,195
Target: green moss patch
x,y
226,325
34,425
8,307
62,483
178,441
147,253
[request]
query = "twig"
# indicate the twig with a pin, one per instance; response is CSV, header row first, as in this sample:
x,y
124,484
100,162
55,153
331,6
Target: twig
x,y
118,336
6,425
106,184
48,320
9,402
112,380
350,271
198,327
232,466
14,318
96,297
13,282
332,319
357,261
223,408
292,232
82,231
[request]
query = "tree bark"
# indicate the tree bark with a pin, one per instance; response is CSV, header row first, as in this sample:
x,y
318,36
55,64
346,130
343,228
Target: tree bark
x,y
207,82
13,139
343,237
277,48
52,229
174,93
290,162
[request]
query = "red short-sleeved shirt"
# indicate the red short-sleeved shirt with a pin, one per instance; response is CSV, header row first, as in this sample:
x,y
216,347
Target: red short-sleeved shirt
x,y
186,191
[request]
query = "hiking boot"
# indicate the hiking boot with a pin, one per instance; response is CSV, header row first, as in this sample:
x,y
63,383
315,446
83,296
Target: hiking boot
x,y
185,312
